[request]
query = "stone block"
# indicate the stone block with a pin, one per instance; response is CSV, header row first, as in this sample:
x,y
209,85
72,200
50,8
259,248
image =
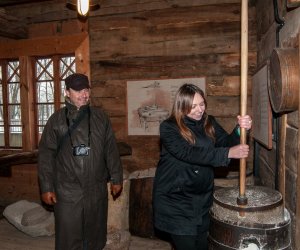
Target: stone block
x,y
118,209
118,240
30,218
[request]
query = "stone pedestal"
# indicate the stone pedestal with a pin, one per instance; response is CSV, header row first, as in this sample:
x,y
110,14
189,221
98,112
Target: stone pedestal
x,y
118,237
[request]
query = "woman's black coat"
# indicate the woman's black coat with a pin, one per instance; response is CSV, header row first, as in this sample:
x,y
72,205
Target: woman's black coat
x,y
184,179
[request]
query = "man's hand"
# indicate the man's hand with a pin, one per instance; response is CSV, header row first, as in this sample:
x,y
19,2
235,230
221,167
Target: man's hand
x,y
49,198
115,190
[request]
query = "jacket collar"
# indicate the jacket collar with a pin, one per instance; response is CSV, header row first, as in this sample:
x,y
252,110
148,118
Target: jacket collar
x,y
190,121
71,107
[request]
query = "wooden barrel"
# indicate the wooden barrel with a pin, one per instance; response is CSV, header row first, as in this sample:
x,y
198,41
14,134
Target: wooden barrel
x,y
140,207
263,222
283,85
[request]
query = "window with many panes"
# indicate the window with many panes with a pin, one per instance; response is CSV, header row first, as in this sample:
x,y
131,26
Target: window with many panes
x,y
10,105
50,73
32,85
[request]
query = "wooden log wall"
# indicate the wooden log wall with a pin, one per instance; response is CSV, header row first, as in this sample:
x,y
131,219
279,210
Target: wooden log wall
x,y
140,40
23,185
288,144
174,42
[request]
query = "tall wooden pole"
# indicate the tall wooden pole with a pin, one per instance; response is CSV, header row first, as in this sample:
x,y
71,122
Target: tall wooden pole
x,y
242,199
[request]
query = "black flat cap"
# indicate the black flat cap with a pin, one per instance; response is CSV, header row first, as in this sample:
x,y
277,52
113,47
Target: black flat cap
x,y
77,82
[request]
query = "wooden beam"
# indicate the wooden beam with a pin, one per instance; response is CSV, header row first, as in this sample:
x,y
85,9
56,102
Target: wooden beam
x,y
281,171
293,3
188,31
12,27
297,214
19,158
82,57
42,46
169,66
32,156
57,10
17,2
27,107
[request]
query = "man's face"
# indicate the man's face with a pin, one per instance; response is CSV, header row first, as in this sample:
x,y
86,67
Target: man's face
x,y
78,98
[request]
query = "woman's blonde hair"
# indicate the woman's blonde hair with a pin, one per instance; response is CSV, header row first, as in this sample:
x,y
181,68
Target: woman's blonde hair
x,y
182,106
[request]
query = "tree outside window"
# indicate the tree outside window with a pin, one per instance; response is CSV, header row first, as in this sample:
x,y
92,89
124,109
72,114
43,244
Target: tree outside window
x,y
50,73
10,105
49,76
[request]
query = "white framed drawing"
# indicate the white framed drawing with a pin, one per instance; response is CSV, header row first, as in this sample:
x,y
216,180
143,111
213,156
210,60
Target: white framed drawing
x,y
149,102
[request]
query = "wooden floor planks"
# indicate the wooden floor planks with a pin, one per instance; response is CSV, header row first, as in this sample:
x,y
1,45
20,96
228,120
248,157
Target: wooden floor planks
x,y
13,239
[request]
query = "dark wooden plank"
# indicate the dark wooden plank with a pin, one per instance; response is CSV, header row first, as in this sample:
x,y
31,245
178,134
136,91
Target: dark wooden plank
x,y
149,42
220,106
161,67
226,85
12,27
297,186
293,3
57,10
31,157
185,16
42,46
140,207
18,158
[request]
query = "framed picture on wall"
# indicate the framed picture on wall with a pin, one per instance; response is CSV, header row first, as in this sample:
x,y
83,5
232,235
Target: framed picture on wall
x,y
149,102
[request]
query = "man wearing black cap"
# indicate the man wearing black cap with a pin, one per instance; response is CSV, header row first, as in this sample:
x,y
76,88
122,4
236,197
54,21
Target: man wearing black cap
x,y
78,155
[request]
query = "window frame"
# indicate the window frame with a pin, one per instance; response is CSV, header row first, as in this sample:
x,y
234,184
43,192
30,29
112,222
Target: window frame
x,y
57,79
6,103
26,50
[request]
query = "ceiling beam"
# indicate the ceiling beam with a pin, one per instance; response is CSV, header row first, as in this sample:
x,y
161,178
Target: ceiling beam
x,y
5,3
12,27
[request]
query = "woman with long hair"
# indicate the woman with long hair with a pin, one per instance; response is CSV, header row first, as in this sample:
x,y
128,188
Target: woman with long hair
x,y
192,144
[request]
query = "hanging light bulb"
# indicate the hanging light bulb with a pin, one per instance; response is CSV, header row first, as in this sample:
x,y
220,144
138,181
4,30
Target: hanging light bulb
x,y
83,7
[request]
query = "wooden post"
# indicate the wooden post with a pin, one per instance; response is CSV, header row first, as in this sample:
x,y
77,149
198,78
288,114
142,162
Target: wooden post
x,y
242,199
297,207
26,91
281,177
